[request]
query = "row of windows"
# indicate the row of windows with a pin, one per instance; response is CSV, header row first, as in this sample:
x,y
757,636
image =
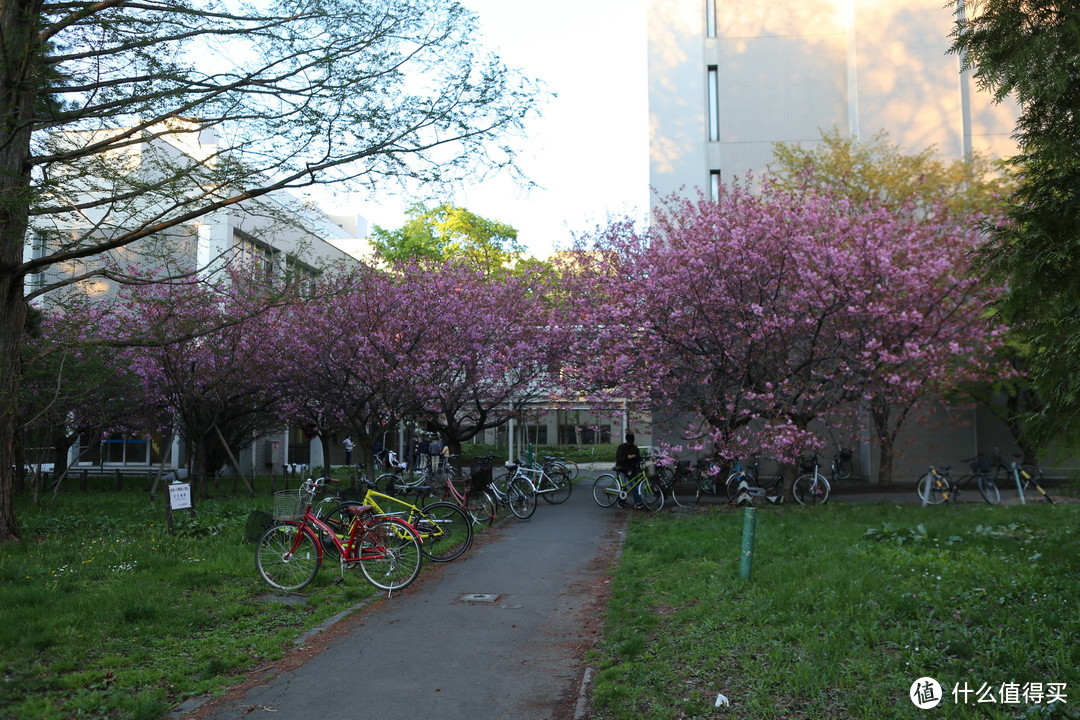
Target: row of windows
x,y
264,261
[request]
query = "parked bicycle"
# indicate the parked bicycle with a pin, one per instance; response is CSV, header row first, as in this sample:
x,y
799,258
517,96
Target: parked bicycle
x,y
772,489
842,466
677,483
470,493
938,486
290,552
1030,474
445,530
559,463
811,488
509,490
547,481
611,488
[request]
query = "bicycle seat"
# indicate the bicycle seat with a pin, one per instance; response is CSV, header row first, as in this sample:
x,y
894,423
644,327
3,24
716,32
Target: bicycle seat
x,y
359,509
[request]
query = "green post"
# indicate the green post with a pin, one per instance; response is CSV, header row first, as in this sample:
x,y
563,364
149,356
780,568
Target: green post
x,y
746,566
1019,485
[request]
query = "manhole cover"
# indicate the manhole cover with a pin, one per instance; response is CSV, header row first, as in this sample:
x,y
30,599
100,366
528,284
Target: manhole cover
x,y
479,598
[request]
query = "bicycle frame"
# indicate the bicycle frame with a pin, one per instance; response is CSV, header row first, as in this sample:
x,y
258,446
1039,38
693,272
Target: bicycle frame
x,y
350,550
529,474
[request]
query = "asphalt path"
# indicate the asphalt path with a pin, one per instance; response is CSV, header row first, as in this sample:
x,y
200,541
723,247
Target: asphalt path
x,y
498,634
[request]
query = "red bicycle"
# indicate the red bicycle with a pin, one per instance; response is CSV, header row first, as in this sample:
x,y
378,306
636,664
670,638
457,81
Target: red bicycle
x,y
290,552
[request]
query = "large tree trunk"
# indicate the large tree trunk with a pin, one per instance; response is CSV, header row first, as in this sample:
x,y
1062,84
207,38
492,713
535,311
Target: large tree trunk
x,y
19,73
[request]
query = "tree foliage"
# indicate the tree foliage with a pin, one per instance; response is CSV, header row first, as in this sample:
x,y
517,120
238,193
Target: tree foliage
x,y
763,312
924,187
1030,50
123,120
881,172
446,233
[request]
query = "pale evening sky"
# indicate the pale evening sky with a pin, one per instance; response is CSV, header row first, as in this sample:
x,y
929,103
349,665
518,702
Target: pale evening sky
x,y
588,151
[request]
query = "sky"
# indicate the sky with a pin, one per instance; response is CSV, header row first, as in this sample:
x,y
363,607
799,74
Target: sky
x,y
589,150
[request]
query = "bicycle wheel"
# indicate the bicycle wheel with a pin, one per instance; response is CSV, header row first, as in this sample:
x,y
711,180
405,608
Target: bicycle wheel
x,y
389,553
287,557
810,489
1032,477
445,531
605,490
844,469
559,479
475,507
651,496
708,485
932,488
988,490
388,483
665,481
571,468
487,508
522,498
732,485
500,482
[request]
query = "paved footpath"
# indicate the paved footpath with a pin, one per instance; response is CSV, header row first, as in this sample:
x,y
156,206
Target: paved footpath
x,y
498,634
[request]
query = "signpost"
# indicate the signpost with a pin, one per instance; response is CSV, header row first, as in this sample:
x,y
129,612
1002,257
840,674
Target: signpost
x,y
179,499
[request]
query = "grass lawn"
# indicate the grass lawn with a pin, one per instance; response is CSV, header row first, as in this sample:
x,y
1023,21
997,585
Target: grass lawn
x,y
847,606
107,616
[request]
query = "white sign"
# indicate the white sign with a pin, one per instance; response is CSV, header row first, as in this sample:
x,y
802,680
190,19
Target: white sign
x,y
180,496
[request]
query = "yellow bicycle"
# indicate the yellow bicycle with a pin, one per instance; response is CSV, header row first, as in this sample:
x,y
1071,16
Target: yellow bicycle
x,y
617,486
445,530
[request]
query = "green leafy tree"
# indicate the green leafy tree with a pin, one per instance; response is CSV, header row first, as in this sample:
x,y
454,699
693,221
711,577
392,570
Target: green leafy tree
x,y
125,120
450,233
1029,50
881,172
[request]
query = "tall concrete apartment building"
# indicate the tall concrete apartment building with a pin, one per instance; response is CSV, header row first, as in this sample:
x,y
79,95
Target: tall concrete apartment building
x,y
729,78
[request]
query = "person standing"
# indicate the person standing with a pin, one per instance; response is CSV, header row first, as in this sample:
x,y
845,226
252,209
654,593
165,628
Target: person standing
x,y
628,463
348,443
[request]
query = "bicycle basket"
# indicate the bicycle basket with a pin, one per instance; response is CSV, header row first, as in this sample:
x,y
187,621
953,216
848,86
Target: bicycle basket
x,y
480,478
981,464
806,464
290,504
650,470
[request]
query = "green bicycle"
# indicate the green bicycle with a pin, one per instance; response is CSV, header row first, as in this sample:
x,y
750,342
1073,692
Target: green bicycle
x,y
617,486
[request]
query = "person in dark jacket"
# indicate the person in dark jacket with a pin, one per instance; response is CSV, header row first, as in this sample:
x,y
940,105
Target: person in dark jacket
x,y
628,463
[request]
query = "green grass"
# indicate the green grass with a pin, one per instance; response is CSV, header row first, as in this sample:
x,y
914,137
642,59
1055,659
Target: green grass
x,y
106,615
847,606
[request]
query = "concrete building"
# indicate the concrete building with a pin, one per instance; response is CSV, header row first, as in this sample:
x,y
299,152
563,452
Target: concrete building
x,y
730,78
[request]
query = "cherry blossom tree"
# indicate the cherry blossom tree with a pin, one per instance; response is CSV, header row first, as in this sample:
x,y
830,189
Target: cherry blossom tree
x,y
345,359
493,342
763,312
453,345
216,387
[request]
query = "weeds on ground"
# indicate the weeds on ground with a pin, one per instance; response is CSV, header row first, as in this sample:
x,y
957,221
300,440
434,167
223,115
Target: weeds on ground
x,y
846,608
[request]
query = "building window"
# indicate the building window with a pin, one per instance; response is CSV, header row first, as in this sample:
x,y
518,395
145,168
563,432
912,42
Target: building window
x,y
714,185
301,275
257,255
710,18
714,103
38,250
